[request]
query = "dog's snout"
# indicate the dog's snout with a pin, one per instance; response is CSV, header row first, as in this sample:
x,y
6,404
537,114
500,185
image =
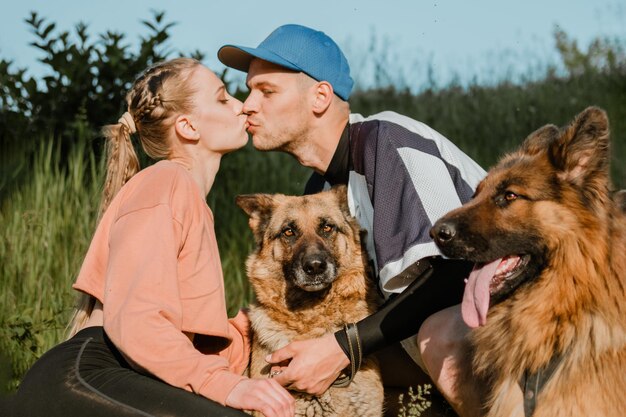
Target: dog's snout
x,y
443,232
314,264
314,267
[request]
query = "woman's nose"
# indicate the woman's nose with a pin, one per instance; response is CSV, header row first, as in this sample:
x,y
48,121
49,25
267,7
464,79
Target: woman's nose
x,y
238,106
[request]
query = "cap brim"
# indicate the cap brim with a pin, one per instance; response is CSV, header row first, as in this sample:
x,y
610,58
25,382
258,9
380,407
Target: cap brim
x,y
240,57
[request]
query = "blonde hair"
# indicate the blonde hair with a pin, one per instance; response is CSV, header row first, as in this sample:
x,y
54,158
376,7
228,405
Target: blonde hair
x,y
157,96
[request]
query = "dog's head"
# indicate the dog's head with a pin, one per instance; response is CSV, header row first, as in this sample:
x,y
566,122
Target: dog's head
x,y
306,240
533,203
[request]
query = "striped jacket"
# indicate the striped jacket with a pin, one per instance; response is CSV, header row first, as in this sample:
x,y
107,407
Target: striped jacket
x,y
402,176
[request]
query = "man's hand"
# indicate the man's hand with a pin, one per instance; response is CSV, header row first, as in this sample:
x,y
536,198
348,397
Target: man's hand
x,y
314,364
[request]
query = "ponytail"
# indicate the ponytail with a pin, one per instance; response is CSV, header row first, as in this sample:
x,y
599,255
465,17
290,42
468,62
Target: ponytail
x,y
122,162
82,312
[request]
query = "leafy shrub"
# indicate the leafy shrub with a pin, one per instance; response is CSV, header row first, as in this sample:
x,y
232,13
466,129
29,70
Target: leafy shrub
x,y
84,88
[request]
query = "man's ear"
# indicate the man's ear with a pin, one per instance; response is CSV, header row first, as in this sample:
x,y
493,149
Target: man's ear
x,y
185,128
324,95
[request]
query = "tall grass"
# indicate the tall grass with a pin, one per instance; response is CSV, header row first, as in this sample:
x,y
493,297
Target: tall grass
x,y
45,228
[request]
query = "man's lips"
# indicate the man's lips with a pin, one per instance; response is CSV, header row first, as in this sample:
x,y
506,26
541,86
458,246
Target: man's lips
x,y
251,126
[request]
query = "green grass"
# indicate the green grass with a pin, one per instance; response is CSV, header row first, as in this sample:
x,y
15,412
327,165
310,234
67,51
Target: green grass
x,y
45,228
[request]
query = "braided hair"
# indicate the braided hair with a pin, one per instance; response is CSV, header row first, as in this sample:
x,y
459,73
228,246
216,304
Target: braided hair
x,y
156,97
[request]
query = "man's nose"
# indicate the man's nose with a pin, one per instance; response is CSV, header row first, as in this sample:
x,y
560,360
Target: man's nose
x,y
250,105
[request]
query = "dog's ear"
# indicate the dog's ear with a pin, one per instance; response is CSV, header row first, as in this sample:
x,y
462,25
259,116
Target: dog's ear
x,y
581,153
259,208
540,140
341,192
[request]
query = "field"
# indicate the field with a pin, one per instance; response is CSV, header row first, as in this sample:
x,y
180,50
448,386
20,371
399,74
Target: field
x,y
46,221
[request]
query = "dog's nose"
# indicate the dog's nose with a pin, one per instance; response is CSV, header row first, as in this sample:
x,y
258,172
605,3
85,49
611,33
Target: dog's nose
x,y
314,265
443,232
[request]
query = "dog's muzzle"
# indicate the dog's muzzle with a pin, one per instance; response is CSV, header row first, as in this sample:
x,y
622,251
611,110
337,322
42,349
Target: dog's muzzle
x,y
314,271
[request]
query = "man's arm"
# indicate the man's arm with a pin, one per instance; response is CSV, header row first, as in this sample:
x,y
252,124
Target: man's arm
x,y
316,363
438,285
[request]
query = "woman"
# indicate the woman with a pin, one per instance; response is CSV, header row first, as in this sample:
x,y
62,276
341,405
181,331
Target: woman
x,y
152,337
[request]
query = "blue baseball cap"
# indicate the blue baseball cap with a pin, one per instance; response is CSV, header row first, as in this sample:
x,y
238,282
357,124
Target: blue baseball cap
x,y
297,48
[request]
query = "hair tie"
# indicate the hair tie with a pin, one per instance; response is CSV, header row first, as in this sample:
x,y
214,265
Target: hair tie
x,y
128,121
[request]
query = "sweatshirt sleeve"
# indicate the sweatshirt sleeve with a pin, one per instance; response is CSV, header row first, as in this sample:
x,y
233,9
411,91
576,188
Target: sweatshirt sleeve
x,y
142,307
239,350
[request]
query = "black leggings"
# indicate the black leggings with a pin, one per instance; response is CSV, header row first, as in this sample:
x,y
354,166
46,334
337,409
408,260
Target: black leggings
x,y
87,376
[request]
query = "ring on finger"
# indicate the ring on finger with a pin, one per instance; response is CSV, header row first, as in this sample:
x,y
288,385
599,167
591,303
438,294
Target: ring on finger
x,y
274,373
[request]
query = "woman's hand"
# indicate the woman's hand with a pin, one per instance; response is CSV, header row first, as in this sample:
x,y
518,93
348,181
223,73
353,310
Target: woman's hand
x,y
315,364
264,395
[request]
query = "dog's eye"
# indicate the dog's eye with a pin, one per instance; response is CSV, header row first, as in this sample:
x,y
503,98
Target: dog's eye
x,y
510,196
506,198
327,228
288,232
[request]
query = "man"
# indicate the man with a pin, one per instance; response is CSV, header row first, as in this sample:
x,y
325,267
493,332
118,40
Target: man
x,y
401,176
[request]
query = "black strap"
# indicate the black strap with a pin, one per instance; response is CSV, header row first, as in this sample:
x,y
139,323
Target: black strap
x,y
532,384
355,354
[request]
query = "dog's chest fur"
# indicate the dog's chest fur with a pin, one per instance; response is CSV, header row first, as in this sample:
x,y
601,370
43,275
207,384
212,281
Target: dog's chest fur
x,y
364,395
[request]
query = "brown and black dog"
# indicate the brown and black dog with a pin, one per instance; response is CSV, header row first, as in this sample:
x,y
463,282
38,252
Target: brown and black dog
x,y
309,275
549,302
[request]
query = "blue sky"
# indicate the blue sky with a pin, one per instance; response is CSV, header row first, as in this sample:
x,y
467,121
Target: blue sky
x,y
486,39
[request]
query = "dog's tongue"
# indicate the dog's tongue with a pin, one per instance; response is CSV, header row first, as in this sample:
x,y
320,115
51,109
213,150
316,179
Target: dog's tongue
x,y
476,296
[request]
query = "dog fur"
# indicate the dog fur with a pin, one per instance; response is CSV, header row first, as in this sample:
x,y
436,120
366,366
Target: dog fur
x,y
308,272
549,204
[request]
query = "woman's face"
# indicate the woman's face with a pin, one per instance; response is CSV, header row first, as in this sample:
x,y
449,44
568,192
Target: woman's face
x,y
217,115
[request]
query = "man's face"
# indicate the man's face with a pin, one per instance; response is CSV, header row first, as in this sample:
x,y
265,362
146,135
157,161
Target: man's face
x,y
278,106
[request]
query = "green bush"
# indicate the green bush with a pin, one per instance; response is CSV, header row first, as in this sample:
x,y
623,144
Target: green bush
x,y
83,89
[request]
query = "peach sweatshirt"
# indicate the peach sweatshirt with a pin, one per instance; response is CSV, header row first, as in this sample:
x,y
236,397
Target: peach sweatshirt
x,y
154,265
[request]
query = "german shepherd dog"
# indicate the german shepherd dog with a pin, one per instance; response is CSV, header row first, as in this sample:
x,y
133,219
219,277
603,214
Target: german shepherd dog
x,y
309,275
548,296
